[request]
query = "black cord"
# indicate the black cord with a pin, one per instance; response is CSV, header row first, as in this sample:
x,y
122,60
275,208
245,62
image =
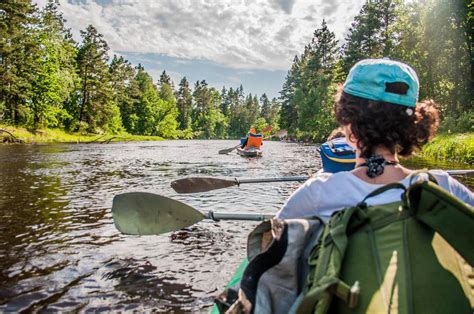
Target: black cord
x,y
376,165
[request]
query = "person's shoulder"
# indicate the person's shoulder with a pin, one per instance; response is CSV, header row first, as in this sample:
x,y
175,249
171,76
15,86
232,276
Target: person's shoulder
x,y
440,175
329,179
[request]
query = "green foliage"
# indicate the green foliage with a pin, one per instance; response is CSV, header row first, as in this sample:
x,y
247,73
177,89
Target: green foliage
x,y
184,102
458,124
260,124
434,36
208,119
124,92
56,77
18,52
309,89
458,148
48,80
96,104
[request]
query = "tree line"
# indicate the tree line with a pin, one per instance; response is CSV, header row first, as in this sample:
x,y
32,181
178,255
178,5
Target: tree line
x,y
49,80
434,36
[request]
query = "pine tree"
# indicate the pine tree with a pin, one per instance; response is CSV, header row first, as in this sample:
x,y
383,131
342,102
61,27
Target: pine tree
x,y
145,108
18,53
225,102
166,112
184,104
265,110
208,120
166,79
56,78
124,94
316,78
96,107
289,112
372,35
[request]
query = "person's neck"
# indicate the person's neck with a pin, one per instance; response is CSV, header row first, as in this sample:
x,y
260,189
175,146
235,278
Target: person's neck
x,y
379,151
391,174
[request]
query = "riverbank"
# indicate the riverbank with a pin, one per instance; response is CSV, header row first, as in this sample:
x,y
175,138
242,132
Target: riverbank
x,y
60,136
451,147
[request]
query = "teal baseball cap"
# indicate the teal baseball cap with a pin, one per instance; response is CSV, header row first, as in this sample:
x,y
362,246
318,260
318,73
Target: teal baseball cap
x,y
375,79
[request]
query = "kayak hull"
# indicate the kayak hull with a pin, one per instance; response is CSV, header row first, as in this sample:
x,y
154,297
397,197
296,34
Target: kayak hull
x,y
249,152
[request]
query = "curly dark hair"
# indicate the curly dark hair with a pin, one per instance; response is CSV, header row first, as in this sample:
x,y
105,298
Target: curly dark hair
x,y
378,123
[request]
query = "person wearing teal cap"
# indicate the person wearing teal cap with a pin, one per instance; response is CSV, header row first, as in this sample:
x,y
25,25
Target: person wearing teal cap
x,y
378,109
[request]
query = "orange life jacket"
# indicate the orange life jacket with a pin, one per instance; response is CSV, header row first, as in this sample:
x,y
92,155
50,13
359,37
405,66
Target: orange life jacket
x,y
254,140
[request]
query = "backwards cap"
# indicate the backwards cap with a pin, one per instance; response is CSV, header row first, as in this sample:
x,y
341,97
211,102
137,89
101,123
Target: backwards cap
x,y
380,80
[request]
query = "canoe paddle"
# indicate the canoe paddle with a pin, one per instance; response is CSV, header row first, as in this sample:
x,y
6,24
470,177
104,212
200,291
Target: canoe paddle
x,y
205,184
228,150
141,213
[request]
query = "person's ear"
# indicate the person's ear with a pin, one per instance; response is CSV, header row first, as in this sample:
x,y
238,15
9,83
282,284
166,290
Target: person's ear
x,y
350,138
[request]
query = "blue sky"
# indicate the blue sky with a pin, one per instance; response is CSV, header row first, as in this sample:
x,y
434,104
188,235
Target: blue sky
x,y
225,42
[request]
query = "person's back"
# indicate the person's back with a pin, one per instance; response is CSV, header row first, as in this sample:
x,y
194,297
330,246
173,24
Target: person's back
x,y
382,119
379,110
254,140
328,193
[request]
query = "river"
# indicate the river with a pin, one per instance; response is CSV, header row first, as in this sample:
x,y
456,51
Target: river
x,y
60,251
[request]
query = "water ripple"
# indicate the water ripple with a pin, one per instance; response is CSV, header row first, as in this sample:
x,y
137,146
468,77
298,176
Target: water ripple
x,y
59,249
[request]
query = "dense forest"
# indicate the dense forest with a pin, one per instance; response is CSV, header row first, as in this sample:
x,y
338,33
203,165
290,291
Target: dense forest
x,y
47,80
434,36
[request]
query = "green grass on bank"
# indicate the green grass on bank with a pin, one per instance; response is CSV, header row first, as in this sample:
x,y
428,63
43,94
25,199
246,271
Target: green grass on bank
x,y
60,136
452,147
448,147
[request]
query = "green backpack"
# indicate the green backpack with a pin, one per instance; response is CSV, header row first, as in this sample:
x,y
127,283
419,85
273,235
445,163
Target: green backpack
x,y
412,256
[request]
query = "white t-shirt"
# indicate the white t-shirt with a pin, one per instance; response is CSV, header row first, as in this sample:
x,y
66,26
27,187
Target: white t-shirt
x,y
323,195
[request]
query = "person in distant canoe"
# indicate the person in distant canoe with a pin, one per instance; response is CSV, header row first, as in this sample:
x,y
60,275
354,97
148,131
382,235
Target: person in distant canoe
x,y
336,154
336,133
382,118
253,139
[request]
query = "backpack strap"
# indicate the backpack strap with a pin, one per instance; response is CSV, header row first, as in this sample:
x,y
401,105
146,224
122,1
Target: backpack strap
x,y
416,173
327,257
444,213
324,280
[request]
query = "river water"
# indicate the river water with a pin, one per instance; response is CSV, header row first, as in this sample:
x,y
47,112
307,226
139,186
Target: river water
x,y
60,251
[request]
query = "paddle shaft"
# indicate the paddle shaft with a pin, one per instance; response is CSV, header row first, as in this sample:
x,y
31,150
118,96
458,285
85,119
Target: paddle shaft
x,y
458,172
275,179
304,178
216,216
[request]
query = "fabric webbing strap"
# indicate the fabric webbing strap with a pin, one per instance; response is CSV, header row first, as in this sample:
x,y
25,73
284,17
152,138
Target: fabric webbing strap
x,y
325,277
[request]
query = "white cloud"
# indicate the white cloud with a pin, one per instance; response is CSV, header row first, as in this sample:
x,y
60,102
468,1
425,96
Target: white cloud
x,y
245,34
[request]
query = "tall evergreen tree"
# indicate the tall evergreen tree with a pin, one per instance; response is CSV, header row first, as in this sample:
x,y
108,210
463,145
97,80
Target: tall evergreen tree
x,y
184,104
56,78
289,111
121,79
208,120
96,107
314,86
18,53
371,35
167,112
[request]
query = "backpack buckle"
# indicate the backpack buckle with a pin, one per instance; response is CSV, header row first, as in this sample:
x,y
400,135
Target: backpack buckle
x,y
348,294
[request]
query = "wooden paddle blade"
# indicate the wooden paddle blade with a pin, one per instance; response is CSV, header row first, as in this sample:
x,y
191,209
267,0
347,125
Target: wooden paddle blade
x,y
228,150
143,213
201,184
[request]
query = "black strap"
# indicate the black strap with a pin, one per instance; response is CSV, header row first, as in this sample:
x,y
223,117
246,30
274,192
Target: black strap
x,y
375,165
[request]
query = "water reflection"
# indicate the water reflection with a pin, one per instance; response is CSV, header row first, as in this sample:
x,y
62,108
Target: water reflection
x,y
59,250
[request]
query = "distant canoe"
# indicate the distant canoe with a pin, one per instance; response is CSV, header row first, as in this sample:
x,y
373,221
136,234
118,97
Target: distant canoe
x,y
249,152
